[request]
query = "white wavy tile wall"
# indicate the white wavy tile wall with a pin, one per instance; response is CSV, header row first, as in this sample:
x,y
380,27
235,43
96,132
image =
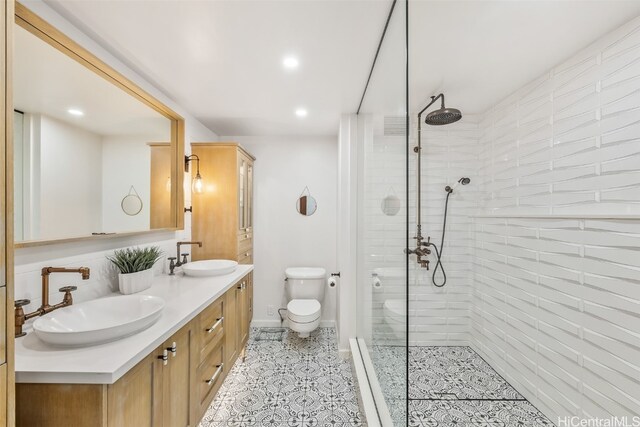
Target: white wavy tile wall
x,y
441,316
556,301
569,142
557,311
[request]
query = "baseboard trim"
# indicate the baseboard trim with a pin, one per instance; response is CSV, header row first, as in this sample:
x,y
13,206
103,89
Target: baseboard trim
x,y
277,323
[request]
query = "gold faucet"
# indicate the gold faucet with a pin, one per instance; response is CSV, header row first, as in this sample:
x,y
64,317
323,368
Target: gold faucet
x,y
67,300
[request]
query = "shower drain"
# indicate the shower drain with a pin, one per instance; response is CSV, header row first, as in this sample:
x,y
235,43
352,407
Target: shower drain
x,y
446,396
270,334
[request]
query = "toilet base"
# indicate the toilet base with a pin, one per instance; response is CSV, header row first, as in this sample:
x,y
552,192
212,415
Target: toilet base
x,y
304,329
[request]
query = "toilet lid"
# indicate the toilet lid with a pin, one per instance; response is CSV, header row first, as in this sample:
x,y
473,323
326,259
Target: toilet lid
x,y
303,310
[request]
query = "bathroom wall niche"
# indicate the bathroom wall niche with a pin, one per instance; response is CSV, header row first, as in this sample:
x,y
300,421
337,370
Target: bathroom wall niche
x,y
87,136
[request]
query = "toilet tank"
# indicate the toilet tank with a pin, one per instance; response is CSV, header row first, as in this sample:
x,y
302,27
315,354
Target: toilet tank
x,y
305,283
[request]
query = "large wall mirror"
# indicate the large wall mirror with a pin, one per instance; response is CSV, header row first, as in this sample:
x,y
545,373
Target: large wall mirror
x,y
94,154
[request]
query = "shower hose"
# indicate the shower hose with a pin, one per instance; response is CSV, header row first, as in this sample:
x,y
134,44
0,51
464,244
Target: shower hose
x,y
439,251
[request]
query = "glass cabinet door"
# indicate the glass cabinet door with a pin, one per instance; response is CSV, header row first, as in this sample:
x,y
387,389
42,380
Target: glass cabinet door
x,y
249,201
242,178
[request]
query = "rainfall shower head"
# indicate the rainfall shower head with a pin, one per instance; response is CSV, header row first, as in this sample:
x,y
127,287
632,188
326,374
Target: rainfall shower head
x,y
443,116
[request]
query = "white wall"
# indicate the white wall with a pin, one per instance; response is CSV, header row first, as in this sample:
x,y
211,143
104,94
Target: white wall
x,y
282,237
556,301
29,261
126,162
70,180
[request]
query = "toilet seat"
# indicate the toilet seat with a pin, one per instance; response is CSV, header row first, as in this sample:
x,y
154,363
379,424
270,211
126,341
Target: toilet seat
x,y
303,310
395,310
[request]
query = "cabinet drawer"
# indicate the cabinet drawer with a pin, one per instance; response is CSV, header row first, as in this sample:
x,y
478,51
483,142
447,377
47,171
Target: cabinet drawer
x,y
245,257
211,328
209,377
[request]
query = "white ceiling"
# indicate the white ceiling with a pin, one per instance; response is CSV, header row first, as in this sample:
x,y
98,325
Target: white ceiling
x,y
46,81
222,59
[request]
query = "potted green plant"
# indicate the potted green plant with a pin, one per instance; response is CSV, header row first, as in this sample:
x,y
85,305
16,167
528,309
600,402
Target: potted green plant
x,y
136,267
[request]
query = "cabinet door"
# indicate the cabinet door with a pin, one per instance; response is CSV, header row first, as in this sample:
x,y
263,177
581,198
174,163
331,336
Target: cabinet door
x,y
249,201
176,380
243,309
231,327
242,190
136,398
250,298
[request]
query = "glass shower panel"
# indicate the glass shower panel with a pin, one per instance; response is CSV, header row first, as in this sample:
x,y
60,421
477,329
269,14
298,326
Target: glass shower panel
x,y
382,225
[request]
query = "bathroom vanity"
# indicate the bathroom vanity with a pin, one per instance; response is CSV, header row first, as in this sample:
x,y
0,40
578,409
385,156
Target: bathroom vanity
x,y
166,375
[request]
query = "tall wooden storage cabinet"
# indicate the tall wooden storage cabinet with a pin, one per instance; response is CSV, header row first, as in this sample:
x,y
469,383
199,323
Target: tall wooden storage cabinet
x,y
222,216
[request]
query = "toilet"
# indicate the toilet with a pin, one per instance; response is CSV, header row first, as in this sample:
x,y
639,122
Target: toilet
x,y
304,289
395,316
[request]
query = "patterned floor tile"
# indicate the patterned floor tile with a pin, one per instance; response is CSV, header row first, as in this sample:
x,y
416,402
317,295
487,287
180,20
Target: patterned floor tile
x,y
430,413
288,383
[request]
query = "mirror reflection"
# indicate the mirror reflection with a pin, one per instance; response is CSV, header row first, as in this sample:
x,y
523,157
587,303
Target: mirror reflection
x,y
306,205
80,144
390,205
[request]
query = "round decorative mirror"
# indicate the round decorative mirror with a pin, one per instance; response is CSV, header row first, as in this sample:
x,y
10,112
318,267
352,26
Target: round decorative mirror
x,y
390,205
306,205
131,203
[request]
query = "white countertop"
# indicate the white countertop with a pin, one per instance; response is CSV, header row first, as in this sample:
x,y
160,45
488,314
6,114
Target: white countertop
x,y
185,298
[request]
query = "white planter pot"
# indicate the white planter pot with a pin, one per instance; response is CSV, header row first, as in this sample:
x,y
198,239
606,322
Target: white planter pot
x,y
135,282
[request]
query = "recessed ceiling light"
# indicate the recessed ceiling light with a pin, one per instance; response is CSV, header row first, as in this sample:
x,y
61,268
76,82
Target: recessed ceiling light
x,y
75,112
301,112
290,62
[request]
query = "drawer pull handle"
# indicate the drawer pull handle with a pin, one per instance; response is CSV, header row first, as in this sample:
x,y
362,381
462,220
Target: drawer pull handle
x,y
242,286
164,357
246,236
216,374
173,349
215,325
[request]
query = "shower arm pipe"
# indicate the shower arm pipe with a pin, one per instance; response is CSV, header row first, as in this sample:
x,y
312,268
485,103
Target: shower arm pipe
x,y
418,150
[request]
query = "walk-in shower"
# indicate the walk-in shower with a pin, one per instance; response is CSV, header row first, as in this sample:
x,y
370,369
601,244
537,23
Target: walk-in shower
x,y
530,310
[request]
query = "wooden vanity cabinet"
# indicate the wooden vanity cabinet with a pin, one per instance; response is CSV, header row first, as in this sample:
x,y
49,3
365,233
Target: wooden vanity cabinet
x,y
154,393
171,387
222,217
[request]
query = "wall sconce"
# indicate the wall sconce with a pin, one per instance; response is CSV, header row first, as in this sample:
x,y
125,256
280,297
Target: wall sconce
x,y
197,186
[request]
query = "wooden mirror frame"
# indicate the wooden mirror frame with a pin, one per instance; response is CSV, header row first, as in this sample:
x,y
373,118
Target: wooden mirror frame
x,y
49,34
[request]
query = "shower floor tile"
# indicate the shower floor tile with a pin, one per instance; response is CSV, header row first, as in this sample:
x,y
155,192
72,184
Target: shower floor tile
x,y
429,413
288,383
454,373
449,386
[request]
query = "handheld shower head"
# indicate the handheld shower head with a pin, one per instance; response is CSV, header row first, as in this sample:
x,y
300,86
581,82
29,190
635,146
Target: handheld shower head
x,y
463,181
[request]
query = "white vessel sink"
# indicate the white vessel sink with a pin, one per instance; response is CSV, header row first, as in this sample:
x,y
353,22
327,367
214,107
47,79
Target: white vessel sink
x,y
98,321
209,267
